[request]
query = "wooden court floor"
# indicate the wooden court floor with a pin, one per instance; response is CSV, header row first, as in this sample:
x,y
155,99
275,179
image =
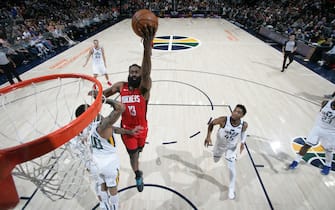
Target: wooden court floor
x,y
223,66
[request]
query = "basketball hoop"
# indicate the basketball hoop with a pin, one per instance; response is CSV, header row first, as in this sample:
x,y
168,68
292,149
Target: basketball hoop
x,y
27,108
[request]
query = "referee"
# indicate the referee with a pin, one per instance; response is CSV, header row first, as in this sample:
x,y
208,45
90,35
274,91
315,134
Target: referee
x,y
8,67
289,49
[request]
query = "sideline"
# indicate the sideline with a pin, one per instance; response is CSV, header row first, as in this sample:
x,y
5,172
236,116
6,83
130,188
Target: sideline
x,y
64,62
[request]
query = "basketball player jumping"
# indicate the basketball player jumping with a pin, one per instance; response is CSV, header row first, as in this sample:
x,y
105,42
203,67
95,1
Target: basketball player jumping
x,y
99,61
323,132
105,165
231,128
135,96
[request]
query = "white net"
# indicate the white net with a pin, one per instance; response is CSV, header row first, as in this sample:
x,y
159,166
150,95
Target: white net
x,y
38,110
61,174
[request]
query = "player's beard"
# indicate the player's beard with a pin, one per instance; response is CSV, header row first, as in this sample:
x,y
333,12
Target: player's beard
x,y
134,81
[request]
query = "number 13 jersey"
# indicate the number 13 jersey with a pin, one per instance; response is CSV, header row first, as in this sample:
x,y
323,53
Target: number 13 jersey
x,y
136,108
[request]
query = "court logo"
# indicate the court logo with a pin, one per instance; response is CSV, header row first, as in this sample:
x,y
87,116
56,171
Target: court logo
x,y
314,156
175,43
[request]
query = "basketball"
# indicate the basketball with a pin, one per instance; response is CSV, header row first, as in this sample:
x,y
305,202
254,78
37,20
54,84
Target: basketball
x,y
143,18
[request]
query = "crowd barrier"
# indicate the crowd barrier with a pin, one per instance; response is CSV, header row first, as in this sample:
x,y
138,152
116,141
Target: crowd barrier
x,y
303,49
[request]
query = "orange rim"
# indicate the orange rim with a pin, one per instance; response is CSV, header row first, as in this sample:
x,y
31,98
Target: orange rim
x,y
12,156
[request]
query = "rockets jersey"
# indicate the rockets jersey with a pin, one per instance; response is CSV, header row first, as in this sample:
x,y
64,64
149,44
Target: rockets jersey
x,y
229,133
326,119
99,145
97,56
136,108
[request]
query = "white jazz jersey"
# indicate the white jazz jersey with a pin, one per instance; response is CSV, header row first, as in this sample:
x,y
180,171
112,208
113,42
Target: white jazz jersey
x,y
227,139
326,118
324,129
101,146
97,57
230,134
106,165
98,62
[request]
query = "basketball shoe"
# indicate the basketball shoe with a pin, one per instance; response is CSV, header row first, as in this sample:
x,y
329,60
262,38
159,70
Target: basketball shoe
x,y
139,181
231,194
293,165
325,170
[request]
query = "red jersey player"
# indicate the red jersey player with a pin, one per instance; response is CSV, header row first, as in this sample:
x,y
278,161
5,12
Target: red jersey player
x,y
135,96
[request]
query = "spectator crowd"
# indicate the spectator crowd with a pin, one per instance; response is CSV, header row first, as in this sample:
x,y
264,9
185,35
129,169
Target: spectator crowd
x,y
38,29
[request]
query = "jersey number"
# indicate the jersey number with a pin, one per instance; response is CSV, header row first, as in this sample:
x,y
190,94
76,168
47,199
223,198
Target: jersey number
x,y
230,135
97,55
327,117
96,143
132,110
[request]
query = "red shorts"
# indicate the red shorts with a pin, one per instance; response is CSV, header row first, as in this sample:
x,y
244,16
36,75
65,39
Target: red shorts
x,y
134,142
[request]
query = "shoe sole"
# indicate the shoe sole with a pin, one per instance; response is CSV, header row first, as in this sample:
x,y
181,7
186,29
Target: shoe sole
x,y
323,173
140,187
232,198
291,168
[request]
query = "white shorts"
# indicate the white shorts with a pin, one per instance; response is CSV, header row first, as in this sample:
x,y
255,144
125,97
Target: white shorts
x,y
318,135
221,147
99,69
106,169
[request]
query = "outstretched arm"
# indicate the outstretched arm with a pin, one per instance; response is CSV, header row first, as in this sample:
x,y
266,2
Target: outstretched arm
x,y
116,87
108,121
145,86
218,121
134,131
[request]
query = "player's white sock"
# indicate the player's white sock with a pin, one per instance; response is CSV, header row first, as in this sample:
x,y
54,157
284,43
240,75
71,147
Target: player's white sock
x,y
232,178
104,200
329,157
298,158
114,202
